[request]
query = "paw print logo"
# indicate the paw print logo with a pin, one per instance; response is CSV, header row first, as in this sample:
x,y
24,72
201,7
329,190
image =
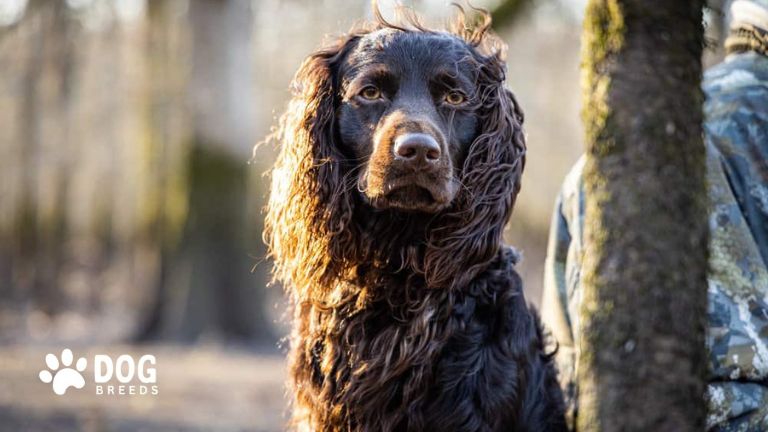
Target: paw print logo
x,y
65,377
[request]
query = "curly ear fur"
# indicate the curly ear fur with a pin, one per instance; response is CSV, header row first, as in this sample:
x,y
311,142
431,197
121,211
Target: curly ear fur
x,y
465,240
308,222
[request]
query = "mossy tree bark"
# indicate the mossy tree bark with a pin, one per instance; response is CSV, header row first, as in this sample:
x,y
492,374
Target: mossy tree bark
x,y
642,353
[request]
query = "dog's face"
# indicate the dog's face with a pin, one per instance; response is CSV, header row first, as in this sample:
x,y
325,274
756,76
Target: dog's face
x,y
408,116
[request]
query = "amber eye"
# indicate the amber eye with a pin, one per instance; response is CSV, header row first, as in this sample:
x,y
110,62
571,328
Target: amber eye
x,y
455,98
371,93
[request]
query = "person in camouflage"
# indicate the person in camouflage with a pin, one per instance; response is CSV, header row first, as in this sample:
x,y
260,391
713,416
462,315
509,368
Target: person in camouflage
x,y
736,136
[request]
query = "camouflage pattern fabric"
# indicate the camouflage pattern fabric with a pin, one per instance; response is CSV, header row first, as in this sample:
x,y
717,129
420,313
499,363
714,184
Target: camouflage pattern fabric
x,y
736,136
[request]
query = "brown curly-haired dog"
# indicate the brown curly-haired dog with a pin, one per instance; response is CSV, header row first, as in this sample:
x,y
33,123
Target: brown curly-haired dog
x,y
401,156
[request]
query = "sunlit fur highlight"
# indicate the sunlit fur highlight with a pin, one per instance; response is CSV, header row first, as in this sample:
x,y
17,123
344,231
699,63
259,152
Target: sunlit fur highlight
x,y
352,272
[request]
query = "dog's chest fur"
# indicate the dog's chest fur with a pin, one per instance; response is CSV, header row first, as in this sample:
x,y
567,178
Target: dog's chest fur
x,y
417,359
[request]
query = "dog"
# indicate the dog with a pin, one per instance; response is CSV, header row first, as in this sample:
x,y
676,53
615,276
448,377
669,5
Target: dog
x,y
400,160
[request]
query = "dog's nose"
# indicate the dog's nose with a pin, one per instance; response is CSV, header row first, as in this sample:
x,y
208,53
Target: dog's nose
x,y
417,148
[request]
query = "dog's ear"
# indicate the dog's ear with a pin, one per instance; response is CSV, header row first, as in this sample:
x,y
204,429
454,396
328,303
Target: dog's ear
x,y
310,205
469,236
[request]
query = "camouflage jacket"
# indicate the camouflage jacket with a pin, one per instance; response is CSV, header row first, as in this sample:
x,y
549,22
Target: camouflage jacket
x,y
736,136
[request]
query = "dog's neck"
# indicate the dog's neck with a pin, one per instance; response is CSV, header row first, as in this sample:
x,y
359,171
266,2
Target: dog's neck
x,y
391,332
391,256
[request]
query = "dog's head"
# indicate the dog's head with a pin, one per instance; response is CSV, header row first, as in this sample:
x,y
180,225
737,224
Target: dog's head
x,y
408,112
397,122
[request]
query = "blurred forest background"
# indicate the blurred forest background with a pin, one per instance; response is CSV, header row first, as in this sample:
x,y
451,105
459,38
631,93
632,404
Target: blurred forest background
x,y
130,218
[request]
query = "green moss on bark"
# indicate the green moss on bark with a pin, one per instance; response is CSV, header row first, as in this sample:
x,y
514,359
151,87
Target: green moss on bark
x,y
642,354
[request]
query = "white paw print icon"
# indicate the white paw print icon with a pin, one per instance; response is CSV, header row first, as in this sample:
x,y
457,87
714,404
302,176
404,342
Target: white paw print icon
x,y
66,377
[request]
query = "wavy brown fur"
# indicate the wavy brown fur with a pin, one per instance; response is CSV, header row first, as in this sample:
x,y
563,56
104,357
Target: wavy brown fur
x,y
401,321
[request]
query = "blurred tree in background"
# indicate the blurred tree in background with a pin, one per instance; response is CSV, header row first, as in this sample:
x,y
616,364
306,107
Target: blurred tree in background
x,y
206,284
71,229
125,176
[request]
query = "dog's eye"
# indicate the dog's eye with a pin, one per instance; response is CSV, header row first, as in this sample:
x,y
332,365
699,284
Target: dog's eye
x,y
455,98
371,93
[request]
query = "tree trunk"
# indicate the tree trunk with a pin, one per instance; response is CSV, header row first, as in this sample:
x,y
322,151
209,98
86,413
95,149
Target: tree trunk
x,y
39,224
642,352
163,187
508,11
210,290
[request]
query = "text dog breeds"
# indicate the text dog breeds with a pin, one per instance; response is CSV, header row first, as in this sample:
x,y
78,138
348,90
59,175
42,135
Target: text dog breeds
x,y
121,375
125,371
